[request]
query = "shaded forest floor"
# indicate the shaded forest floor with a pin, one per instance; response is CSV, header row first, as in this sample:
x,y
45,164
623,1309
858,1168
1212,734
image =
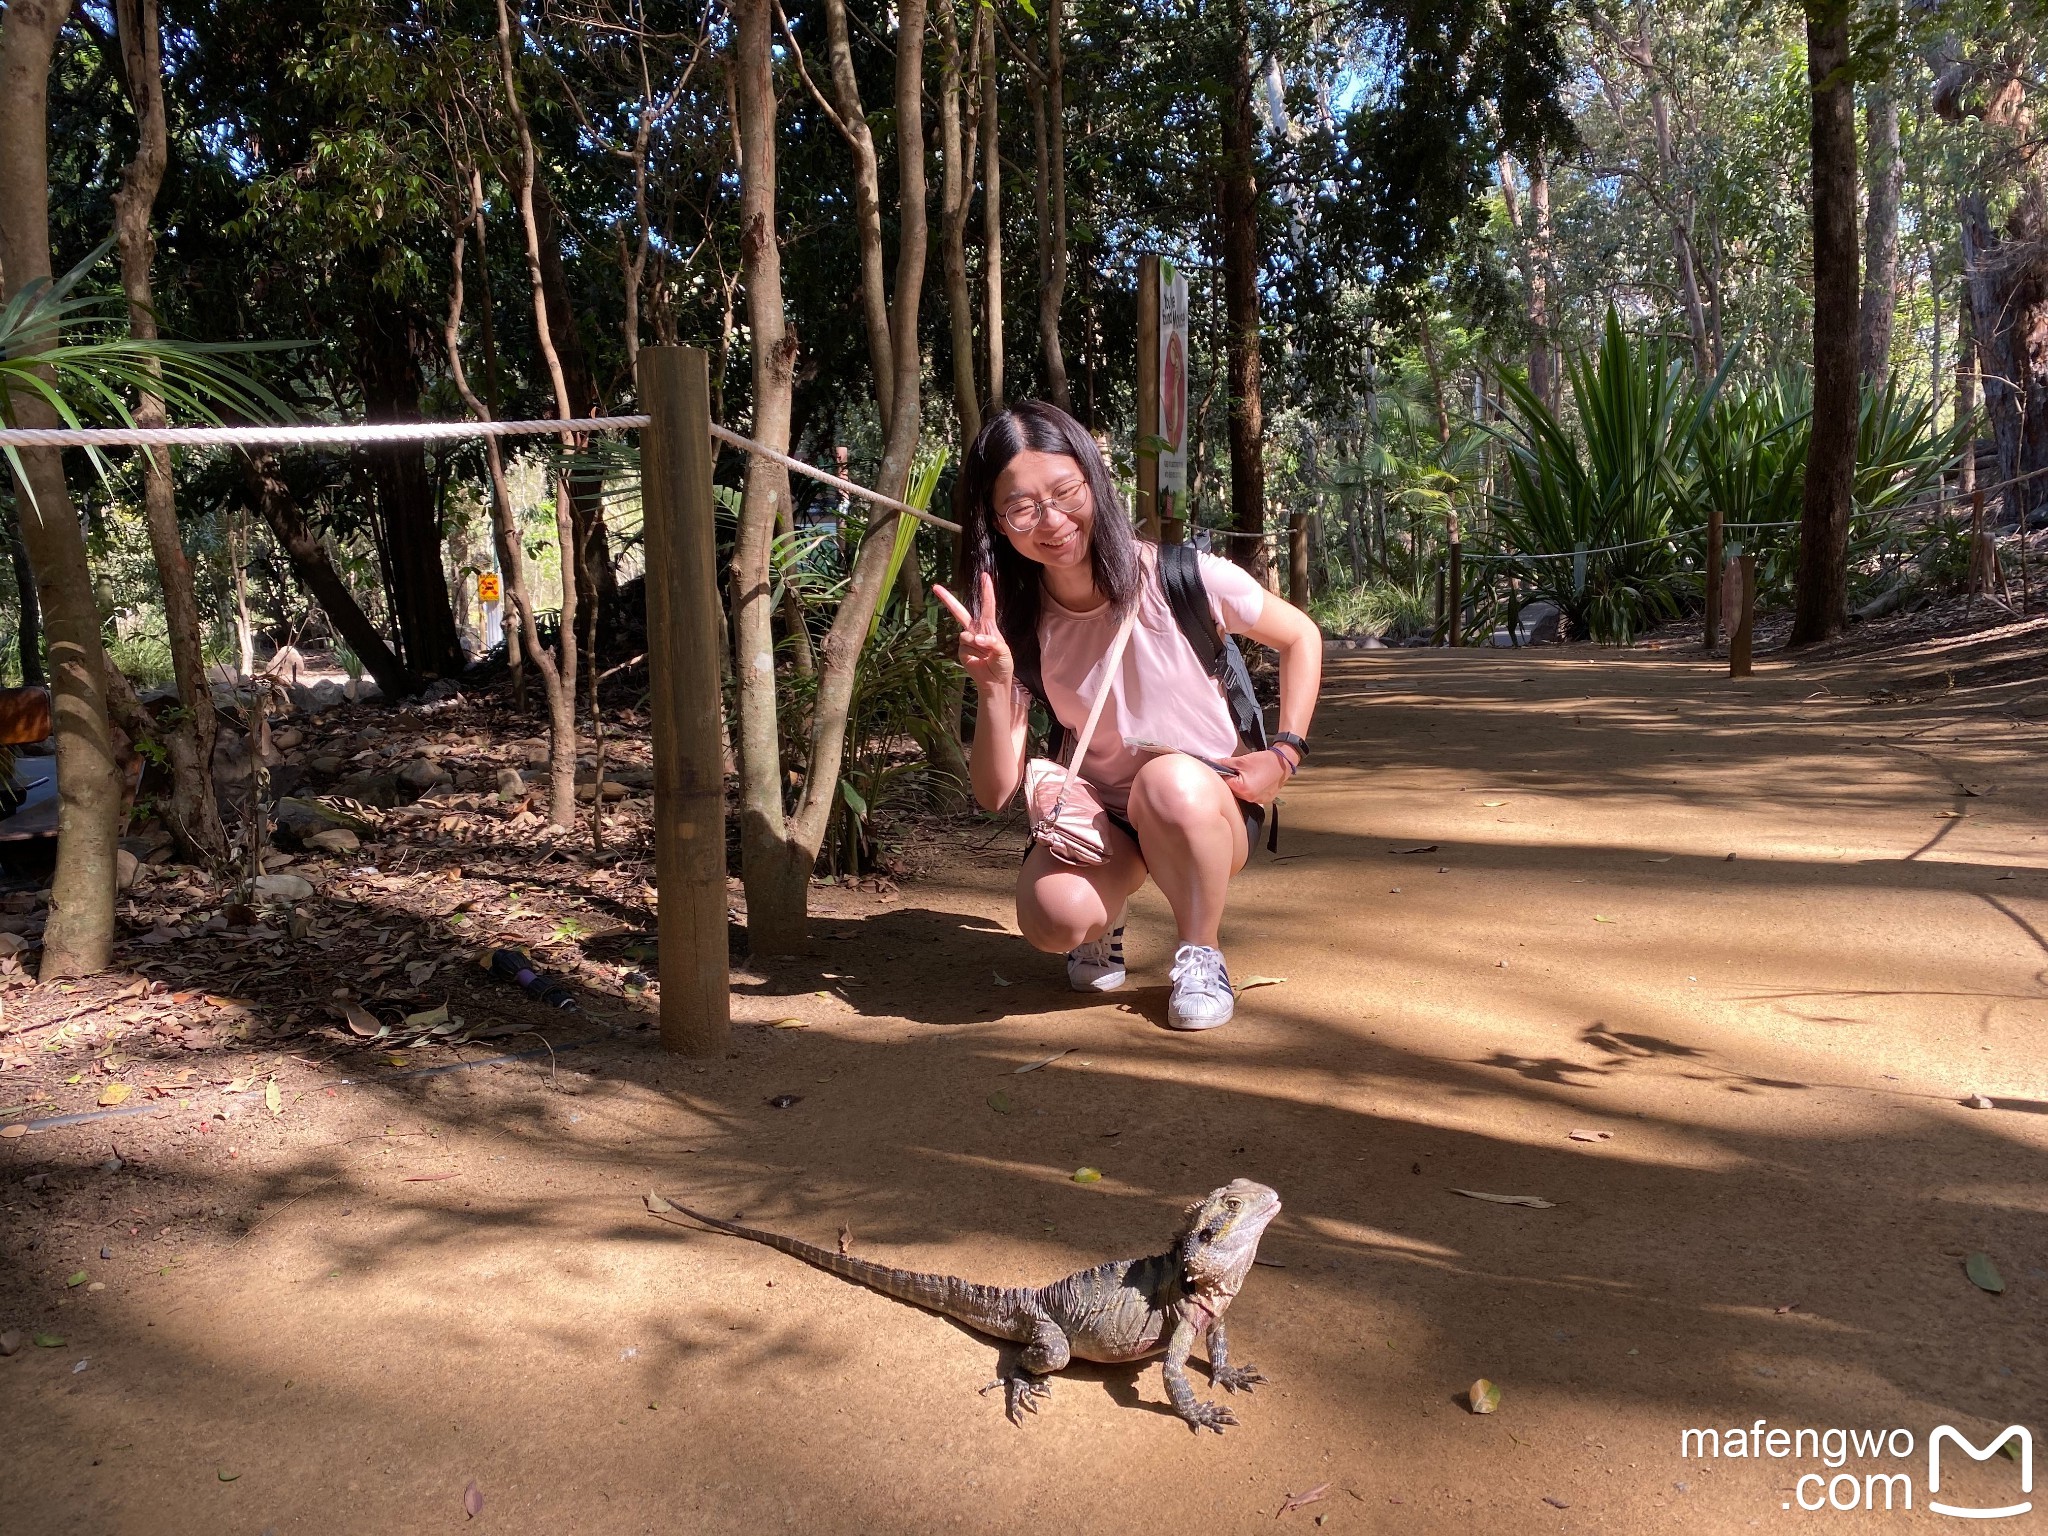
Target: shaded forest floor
x,y
1718,968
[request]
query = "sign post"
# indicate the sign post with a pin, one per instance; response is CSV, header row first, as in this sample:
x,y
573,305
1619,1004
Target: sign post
x,y
489,592
1147,509
1173,402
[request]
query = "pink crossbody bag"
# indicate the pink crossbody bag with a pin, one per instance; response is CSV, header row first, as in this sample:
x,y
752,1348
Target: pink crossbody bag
x,y
1065,810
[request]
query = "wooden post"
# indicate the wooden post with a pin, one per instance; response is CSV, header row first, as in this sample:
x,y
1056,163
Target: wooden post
x,y
1745,623
683,612
1148,396
1713,578
1457,604
1297,559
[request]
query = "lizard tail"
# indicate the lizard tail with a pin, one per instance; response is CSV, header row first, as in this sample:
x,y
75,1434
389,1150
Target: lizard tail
x,y
936,1293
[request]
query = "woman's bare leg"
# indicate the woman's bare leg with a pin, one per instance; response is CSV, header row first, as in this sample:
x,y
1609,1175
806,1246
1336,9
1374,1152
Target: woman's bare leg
x,y
1194,838
1061,906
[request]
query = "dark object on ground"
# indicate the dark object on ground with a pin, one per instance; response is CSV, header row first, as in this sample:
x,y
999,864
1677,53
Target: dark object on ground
x,y
1127,1309
516,966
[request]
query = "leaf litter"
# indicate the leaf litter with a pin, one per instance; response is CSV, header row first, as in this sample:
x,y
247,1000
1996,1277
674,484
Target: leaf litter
x,y
1533,1202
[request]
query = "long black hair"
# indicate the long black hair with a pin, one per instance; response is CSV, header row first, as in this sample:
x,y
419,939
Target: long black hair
x,y
1112,547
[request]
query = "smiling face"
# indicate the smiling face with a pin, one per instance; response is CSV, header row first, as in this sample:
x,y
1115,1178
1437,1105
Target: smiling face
x,y
1046,495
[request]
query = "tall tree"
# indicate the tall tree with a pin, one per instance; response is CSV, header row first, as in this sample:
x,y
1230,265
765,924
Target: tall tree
x,y
188,732
1238,201
79,938
1886,180
1821,591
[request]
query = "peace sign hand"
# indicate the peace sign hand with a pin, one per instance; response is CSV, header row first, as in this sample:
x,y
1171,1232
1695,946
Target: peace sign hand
x,y
983,650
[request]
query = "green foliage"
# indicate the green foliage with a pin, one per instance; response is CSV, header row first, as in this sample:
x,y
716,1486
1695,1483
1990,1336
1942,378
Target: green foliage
x,y
1379,608
1610,488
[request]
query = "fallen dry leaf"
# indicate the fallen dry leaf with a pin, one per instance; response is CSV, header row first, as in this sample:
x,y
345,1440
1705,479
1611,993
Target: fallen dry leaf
x,y
1087,1175
1483,1396
1035,1065
1424,848
1534,1202
472,1500
1790,1306
1491,803
846,1239
1298,1500
429,1178
115,1093
1577,1135
1260,981
656,1204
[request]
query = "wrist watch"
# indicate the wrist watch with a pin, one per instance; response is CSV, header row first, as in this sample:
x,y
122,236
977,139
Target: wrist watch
x,y
1289,739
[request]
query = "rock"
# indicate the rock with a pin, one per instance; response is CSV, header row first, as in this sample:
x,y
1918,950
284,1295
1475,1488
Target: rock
x,y
633,776
285,888
1541,624
335,840
10,1341
611,789
511,783
314,698
421,775
326,766
378,789
126,868
12,944
286,739
536,754
274,859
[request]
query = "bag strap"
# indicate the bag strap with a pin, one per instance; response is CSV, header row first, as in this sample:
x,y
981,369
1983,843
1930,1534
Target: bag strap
x,y
1116,657
1180,574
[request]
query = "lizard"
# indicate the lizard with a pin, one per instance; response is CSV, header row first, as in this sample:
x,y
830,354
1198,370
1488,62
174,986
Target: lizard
x,y
1127,1309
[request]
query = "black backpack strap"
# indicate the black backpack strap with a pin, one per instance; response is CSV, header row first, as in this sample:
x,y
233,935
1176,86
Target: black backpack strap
x,y
1180,575
1034,683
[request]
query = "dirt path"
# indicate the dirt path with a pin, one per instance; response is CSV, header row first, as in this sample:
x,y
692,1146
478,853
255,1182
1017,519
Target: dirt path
x,y
1759,940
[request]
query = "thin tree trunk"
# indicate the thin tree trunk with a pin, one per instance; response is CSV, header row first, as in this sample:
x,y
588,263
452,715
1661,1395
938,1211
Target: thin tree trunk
x,y
79,938
1821,591
991,207
504,521
28,632
504,535
1239,199
1542,357
778,849
851,120
188,734
1880,233
1049,204
2007,283
272,499
956,197
558,670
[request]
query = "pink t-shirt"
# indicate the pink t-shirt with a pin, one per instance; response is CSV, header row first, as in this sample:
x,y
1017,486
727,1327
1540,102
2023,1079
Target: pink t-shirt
x,y
1161,693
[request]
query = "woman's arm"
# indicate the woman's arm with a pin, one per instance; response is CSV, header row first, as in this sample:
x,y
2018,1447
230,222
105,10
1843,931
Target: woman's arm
x,y
1001,732
1004,716
1287,630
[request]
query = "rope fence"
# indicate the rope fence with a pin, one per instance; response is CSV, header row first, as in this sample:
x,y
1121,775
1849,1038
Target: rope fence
x,y
325,435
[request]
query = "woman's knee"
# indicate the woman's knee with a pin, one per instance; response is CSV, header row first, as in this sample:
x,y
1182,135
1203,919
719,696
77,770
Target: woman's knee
x,y
1057,913
1177,789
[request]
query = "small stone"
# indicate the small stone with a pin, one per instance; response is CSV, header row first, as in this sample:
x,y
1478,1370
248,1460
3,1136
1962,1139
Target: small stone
x,y
10,1341
335,840
511,783
611,789
275,859
106,1252
282,887
1978,1101
12,944
126,868
421,775
287,738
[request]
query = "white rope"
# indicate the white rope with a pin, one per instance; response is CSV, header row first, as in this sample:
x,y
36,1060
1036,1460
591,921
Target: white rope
x,y
726,435
302,437
408,432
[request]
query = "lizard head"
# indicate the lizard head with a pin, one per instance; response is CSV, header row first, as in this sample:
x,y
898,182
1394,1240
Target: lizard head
x,y
1219,1236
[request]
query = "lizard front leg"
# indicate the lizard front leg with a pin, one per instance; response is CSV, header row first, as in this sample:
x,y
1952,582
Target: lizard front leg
x,y
1231,1378
1024,1384
1197,1414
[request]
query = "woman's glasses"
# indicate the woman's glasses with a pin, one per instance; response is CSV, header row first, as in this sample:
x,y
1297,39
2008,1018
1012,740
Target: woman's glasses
x,y
1022,513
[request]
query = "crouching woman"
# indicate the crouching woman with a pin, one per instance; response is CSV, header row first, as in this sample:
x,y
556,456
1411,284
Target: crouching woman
x,y
1056,569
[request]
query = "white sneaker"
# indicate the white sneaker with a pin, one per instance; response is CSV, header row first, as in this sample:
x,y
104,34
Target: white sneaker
x,y
1098,967
1201,998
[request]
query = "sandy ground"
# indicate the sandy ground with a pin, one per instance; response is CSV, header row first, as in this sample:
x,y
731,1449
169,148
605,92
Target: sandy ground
x,y
1760,940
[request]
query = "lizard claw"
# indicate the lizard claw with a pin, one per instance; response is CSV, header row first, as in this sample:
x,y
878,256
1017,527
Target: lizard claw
x,y
1237,1378
1021,1394
1213,1416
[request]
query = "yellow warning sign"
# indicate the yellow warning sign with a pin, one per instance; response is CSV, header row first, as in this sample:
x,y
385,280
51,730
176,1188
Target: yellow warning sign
x,y
487,587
